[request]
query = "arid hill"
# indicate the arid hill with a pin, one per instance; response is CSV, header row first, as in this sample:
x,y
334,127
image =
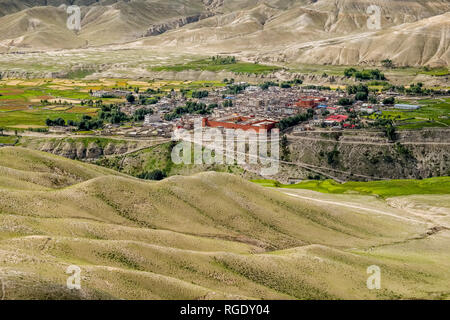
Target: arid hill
x,y
209,236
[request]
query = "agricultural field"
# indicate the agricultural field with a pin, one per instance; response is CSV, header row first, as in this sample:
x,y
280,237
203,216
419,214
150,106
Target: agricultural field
x,y
207,65
22,107
433,113
384,189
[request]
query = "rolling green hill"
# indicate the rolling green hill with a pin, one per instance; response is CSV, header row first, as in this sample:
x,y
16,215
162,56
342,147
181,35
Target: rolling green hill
x,y
208,236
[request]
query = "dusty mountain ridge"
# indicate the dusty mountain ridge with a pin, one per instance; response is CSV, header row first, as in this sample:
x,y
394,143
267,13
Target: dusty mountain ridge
x,y
323,31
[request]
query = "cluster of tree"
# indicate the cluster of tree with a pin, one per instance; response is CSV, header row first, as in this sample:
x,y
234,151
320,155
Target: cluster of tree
x,y
390,132
200,94
314,177
361,91
333,157
59,122
153,91
130,98
387,63
144,100
373,99
294,120
139,115
190,108
223,60
418,89
236,88
227,103
268,84
87,123
404,151
285,151
389,101
382,123
112,114
314,87
295,81
415,89
345,102
370,74
91,103
231,81
153,175
284,84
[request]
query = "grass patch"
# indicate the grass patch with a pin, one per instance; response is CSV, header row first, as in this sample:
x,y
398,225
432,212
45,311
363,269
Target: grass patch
x,y
208,65
436,72
33,117
433,113
384,189
8,139
80,74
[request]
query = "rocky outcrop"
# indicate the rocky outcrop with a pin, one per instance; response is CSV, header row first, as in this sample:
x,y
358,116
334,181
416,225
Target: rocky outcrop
x,y
158,29
369,155
81,148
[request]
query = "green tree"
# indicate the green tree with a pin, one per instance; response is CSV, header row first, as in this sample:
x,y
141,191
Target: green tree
x,y
390,132
361,96
285,152
153,175
130,98
345,102
389,101
387,63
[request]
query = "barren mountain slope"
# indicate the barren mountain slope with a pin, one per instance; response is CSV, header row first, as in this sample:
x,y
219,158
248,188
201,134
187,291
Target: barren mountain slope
x,y
256,29
45,27
425,42
322,33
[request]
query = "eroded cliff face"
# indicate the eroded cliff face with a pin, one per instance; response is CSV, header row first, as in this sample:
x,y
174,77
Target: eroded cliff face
x,y
369,155
160,28
344,155
81,149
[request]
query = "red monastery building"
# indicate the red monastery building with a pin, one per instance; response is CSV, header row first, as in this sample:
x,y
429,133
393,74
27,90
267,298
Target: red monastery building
x,y
239,122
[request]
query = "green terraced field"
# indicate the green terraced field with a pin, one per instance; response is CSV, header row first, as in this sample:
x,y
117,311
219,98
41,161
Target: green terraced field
x,y
433,113
33,118
385,189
